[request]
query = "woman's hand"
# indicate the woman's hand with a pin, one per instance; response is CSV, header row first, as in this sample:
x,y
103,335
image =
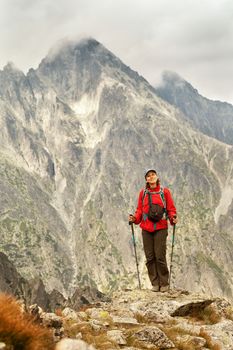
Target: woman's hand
x,y
131,218
174,220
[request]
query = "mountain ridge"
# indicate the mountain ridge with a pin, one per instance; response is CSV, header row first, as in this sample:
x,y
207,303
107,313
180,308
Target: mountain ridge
x,y
213,118
74,148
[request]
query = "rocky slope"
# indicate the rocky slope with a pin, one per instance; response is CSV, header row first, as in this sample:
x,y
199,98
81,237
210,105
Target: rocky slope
x,y
142,319
33,291
147,320
213,118
75,137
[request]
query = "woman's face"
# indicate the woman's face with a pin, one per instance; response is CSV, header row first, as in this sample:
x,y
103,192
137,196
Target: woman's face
x,y
151,177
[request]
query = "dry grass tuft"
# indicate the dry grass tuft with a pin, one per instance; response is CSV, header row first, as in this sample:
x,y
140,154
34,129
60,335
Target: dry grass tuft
x,y
181,345
98,338
210,344
18,330
177,335
229,313
210,315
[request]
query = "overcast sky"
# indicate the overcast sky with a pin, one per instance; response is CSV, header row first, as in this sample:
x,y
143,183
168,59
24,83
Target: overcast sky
x,y
193,38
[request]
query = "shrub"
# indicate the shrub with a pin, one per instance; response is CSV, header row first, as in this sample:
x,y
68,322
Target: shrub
x,y
17,329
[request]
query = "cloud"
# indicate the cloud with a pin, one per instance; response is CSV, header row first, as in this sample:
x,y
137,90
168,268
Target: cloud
x,y
193,38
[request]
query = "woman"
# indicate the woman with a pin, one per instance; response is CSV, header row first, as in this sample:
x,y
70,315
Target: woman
x,y
155,206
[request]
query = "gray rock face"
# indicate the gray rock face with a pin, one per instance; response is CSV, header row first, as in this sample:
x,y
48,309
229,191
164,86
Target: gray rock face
x,y
213,118
75,137
30,292
10,280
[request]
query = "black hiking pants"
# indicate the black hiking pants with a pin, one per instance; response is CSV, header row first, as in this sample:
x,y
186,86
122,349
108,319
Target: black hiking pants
x,y
154,244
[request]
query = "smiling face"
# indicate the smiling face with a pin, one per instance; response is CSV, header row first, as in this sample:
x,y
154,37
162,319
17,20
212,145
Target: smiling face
x,y
151,177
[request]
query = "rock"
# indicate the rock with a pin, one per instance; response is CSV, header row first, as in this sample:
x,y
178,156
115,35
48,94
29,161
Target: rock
x,y
222,307
152,312
97,313
95,325
152,335
193,308
192,341
10,280
221,333
73,344
70,314
198,342
79,335
124,320
36,294
51,320
117,336
83,315
36,312
56,301
86,296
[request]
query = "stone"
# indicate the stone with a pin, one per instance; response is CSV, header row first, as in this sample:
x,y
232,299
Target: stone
x,y
192,308
73,344
117,336
70,314
95,325
152,335
221,333
97,313
79,335
51,320
83,315
192,341
124,320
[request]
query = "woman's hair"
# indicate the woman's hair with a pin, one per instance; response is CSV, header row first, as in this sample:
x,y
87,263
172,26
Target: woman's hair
x,y
157,183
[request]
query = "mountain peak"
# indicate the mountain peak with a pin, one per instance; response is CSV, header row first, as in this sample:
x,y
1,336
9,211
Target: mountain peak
x,y
66,48
172,76
11,69
74,67
175,80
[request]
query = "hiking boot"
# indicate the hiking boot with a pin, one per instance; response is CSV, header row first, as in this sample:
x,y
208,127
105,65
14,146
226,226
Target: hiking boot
x,y
155,288
164,288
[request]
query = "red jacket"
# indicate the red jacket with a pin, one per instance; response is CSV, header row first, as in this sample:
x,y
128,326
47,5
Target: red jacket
x,y
143,209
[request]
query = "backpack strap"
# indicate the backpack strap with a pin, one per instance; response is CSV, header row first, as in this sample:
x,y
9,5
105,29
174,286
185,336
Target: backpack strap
x,y
161,193
162,196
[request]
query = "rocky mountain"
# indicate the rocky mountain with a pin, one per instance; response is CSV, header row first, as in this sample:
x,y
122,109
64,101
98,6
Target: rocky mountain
x,y
33,291
30,292
213,118
76,135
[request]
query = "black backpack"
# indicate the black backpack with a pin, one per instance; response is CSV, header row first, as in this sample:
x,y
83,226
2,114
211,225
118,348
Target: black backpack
x,y
156,212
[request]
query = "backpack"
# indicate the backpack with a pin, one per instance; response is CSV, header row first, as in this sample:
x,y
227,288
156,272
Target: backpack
x,y
156,212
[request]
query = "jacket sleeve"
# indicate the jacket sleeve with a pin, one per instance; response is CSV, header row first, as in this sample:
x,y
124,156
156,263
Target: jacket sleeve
x,y
138,212
171,209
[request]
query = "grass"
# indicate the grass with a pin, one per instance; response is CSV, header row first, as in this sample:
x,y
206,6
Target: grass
x,y
18,330
208,315
229,313
98,338
174,334
210,344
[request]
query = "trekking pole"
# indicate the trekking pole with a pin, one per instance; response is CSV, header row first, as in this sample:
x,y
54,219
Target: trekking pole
x,y
135,252
173,243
